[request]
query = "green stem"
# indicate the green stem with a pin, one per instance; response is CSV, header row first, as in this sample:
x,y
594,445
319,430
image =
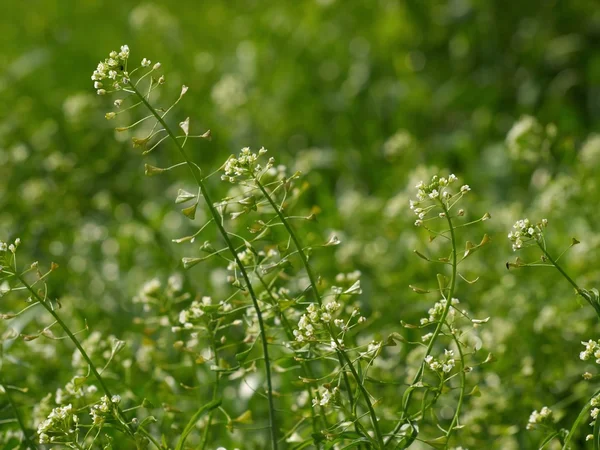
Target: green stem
x,y
215,394
288,227
196,173
579,291
462,389
77,344
341,354
560,269
17,415
287,327
438,328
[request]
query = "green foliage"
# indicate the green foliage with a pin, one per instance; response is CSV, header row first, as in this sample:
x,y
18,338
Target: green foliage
x,y
365,100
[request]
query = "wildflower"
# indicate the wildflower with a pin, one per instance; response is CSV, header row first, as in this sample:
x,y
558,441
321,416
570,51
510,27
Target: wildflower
x,y
103,409
536,418
246,164
326,395
592,348
435,194
146,62
446,364
112,68
524,231
61,423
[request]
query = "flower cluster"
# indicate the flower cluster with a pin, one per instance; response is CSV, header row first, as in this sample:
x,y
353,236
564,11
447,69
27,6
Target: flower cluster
x,y
61,424
536,418
326,396
436,311
315,316
195,311
592,348
246,164
113,70
104,409
595,404
7,252
445,365
436,193
525,231
5,246
73,390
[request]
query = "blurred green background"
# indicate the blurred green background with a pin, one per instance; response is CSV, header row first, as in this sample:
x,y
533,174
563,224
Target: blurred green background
x,y
366,98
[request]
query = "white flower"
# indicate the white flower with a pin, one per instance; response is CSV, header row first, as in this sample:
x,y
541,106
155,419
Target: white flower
x,y
146,62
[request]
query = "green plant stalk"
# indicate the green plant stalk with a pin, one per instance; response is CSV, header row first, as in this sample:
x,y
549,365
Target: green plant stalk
x,y
215,394
438,328
305,366
462,390
341,354
77,344
17,415
217,218
579,291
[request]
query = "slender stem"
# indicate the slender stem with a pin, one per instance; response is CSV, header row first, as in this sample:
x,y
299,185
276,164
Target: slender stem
x,y
215,394
77,344
196,173
350,396
13,405
579,291
288,227
287,327
462,389
341,354
438,328
560,269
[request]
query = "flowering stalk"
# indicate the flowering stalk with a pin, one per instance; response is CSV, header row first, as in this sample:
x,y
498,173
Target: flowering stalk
x,y
18,417
197,174
287,327
342,356
524,233
437,194
93,369
438,329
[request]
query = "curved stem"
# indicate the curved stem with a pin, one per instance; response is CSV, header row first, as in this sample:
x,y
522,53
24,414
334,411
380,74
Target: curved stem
x,y
579,291
341,354
438,328
81,350
215,394
17,415
287,327
196,173
462,389
295,240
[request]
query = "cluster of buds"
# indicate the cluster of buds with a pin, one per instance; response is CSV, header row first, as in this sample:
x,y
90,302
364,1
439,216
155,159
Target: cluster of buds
x,y
327,395
6,247
446,364
541,417
61,424
525,231
113,70
436,193
104,409
592,349
436,311
195,311
314,318
246,164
